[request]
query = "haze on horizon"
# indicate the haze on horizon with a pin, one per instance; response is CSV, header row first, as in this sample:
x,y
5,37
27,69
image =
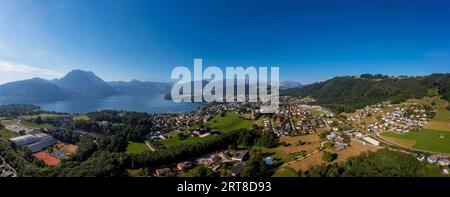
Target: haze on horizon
x,y
309,40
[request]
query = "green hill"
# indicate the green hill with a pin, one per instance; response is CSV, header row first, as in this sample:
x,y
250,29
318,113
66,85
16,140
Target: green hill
x,y
345,94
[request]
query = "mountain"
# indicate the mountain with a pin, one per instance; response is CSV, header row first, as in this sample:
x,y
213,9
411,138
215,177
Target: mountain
x,y
349,92
31,90
136,87
290,84
85,84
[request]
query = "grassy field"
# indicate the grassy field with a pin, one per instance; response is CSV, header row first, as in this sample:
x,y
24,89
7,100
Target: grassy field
x,y
285,172
81,117
8,122
441,121
176,141
312,142
355,149
34,125
425,139
229,122
137,147
5,134
43,115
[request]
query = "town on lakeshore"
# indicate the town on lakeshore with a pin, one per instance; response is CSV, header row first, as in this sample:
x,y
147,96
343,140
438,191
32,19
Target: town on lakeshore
x,y
222,139
247,90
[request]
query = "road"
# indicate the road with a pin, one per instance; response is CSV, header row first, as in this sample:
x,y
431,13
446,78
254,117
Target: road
x,y
150,146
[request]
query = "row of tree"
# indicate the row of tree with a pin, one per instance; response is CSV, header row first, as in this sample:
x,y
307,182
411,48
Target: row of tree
x,y
383,163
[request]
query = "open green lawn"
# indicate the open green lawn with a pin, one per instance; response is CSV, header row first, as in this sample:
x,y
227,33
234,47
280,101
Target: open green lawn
x,y
137,147
6,134
441,121
176,141
426,139
8,122
230,122
277,154
34,125
43,115
285,172
81,117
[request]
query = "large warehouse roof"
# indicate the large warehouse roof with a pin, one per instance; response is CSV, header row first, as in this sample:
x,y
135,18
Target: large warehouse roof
x,y
43,142
23,140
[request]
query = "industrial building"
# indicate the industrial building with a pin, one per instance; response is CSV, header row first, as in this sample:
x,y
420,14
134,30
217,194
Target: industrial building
x,y
23,140
35,142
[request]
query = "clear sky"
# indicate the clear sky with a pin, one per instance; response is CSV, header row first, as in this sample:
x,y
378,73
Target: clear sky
x,y
310,40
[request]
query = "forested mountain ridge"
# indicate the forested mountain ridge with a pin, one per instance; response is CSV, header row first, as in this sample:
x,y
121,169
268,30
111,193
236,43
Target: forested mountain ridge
x,y
345,94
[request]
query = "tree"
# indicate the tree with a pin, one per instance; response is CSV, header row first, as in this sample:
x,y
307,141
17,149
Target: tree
x,y
86,148
255,166
246,138
383,163
268,140
224,172
202,171
329,157
182,136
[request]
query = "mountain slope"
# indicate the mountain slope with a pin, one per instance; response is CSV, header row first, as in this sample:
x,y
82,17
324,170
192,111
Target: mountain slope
x,y
85,84
349,93
31,90
136,87
290,84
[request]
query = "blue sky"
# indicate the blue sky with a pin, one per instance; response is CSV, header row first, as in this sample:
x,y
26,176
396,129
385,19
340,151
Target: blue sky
x,y
310,40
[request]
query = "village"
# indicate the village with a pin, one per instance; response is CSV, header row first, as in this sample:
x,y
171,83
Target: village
x,y
306,133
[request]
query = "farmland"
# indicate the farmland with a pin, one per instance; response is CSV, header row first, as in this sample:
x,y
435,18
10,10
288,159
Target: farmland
x,y
355,149
425,139
285,172
137,147
229,122
4,133
81,117
43,115
441,121
176,141
35,125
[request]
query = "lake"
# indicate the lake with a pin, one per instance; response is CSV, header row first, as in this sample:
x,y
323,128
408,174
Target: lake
x,y
149,104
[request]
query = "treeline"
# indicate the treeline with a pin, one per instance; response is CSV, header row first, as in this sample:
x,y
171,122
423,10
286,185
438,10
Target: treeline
x,y
180,153
383,163
15,110
21,159
124,117
91,160
346,94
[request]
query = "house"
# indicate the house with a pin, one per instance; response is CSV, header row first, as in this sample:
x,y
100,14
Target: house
x,y
23,140
268,161
237,169
7,174
420,157
339,146
332,136
432,159
371,141
443,162
239,156
204,135
184,165
162,171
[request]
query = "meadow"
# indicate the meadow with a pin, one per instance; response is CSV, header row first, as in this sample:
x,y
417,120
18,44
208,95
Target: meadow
x,y
6,134
230,122
425,139
35,125
137,147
